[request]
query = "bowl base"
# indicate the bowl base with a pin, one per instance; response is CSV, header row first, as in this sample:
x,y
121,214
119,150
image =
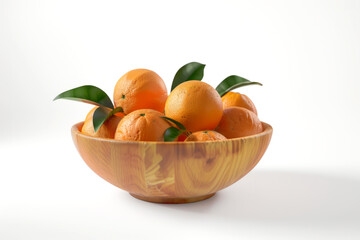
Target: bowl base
x,y
172,200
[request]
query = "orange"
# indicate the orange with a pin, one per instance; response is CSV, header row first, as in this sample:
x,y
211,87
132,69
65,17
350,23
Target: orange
x,y
142,125
107,130
196,105
233,99
140,89
239,122
205,136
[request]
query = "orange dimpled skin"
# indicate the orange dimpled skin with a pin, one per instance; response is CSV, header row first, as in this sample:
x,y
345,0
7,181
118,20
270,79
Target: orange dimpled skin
x,y
140,89
233,99
239,122
201,136
142,125
196,105
107,130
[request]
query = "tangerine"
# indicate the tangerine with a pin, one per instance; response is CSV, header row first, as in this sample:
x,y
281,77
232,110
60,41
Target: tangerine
x,y
239,122
107,130
142,125
196,105
140,89
205,136
233,99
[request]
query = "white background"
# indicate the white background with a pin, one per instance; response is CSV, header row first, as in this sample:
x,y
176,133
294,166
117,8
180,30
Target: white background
x,y
306,54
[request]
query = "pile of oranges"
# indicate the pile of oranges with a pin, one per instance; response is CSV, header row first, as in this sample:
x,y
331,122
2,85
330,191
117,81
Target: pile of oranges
x,y
147,108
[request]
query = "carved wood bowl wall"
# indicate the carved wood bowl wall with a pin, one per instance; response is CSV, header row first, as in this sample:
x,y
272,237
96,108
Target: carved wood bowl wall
x,y
172,172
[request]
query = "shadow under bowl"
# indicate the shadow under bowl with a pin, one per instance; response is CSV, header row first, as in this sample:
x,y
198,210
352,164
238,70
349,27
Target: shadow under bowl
x,y
172,172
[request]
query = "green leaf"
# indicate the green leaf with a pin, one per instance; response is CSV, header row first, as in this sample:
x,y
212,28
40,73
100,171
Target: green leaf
x,y
182,127
88,94
171,134
190,71
102,114
233,82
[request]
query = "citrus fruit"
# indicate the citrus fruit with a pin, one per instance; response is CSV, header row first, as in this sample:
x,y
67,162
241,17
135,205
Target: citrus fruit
x,y
140,89
239,122
196,105
205,136
233,99
107,130
142,125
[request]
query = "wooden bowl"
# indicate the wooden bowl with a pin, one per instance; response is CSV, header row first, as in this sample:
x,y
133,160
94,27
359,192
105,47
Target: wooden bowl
x,y
172,172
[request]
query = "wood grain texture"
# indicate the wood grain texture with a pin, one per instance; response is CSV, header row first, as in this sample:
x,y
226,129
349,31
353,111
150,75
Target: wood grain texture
x,y
172,172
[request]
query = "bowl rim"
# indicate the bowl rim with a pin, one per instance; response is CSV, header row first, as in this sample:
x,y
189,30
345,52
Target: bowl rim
x,y
75,129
